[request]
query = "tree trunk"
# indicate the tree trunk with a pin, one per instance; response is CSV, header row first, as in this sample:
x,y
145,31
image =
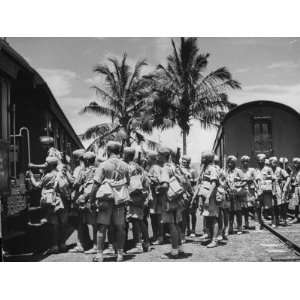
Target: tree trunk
x,y
127,140
184,135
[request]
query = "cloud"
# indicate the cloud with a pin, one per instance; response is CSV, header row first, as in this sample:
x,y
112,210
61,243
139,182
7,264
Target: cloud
x,y
287,94
241,70
59,80
72,106
293,41
283,65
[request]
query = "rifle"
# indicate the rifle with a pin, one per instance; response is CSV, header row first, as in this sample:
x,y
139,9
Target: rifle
x,y
139,158
197,188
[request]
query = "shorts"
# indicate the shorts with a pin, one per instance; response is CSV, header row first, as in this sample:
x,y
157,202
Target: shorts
x,y
174,217
156,205
135,212
113,215
266,200
212,208
236,203
59,217
89,216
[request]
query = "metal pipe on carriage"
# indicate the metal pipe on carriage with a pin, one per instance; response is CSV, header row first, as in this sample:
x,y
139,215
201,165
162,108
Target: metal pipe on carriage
x,y
14,137
28,143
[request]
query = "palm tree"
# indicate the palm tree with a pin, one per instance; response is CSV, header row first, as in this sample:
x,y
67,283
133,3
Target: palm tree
x,y
126,99
184,93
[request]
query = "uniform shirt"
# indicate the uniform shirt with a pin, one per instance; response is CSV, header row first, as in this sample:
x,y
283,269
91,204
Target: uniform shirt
x,y
78,173
136,169
65,182
280,175
248,174
266,173
167,171
154,173
113,168
88,174
295,179
210,174
48,181
234,178
189,177
190,173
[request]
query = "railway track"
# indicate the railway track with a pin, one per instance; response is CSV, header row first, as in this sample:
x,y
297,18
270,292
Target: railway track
x,y
290,237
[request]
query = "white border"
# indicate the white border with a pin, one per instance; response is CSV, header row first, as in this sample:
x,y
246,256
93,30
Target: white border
x,y
149,18
149,280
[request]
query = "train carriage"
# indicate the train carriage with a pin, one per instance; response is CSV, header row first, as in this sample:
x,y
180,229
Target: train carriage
x,y
28,111
259,127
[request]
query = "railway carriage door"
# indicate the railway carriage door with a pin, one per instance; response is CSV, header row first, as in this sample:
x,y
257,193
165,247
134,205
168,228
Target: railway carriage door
x,y
262,129
4,134
4,115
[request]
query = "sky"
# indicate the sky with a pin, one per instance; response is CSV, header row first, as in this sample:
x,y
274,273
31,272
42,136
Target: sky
x,y
267,68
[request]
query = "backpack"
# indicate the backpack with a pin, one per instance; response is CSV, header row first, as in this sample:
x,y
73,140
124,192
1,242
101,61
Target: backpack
x,y
136,184
51,198
175,188
114,189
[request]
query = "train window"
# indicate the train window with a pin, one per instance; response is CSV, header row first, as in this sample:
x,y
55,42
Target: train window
x,y
262,135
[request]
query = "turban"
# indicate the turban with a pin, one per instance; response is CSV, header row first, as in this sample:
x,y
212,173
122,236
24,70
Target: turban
x,y
245,158
231,158
283,160
261,156
113,146
51,161
78,153
89,155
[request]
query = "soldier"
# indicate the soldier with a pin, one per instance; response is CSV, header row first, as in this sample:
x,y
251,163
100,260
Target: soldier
x,y
89,214
234,178
294,185
223,202
138,192
249,186
189,213
280,178
78,174
208,205
171,208
52,202
264,179
85,214
155,202
110,188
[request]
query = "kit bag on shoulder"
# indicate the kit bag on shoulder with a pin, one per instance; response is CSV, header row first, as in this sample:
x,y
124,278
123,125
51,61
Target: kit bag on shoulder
x,y
136,185
88,187
51,198
204,190
136,190
221,194
174,194
267,185
113,189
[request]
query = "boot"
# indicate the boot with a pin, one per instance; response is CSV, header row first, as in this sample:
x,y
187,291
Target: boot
x,y
109,250
120,255
212,244
136,250
98,257
180,250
